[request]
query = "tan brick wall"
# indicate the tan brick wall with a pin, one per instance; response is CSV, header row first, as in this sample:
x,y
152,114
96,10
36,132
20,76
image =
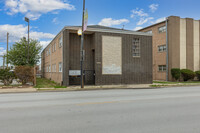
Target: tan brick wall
x,y
54,58
159,58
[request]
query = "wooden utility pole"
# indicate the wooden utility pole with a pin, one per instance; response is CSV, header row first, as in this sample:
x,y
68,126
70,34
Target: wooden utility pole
x,y
7,49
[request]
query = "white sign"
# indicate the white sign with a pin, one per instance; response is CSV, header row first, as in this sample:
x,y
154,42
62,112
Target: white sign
x,y
74,72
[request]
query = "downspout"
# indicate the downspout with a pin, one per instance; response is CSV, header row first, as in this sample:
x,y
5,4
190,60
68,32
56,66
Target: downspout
x,y
50,63
167,51
62,75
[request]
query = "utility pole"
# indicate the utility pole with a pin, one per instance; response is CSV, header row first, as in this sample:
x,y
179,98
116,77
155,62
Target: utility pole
x,y
82,41
7,49
27,20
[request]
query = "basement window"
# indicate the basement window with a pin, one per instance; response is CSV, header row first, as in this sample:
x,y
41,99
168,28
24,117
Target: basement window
x,y
136,47
162,68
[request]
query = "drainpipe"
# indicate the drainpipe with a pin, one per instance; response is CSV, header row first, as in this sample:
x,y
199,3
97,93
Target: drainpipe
x,y
167,51
50,62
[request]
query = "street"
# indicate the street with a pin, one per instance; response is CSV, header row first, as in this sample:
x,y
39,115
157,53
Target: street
x,y
163,110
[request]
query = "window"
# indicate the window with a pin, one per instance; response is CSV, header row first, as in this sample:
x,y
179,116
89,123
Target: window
x,y
54,68
136,47
60,66
162,68
150,32
162,48
49,68
60,42
52,48
162,29
49,51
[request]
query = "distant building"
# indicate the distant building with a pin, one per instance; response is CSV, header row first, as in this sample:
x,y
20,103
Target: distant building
x,y
183,45
112,56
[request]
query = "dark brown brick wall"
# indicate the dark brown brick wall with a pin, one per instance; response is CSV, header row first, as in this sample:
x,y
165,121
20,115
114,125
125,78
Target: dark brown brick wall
x,y
134,70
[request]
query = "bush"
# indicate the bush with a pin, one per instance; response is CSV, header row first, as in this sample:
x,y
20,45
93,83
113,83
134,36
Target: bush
x,y
25,74
187,74
198,75
176,73
6,76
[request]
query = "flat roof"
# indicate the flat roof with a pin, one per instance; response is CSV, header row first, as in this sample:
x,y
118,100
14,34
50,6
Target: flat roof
x,y
99,28
152,25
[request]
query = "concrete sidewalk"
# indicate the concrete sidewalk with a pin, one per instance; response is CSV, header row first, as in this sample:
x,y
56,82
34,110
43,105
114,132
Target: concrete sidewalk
x,y
74,88
103,87
17,90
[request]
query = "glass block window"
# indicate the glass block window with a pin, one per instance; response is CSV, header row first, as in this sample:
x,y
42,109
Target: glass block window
x,y
136,47
162,68
162,48
162,29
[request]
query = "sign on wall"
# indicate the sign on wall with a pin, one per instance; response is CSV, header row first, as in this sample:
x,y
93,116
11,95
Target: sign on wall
x,y
74,72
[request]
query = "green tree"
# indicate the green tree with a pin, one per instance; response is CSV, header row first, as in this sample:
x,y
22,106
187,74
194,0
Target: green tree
x,y
18,53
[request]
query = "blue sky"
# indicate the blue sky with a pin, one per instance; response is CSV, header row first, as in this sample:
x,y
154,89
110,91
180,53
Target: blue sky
x,y
48,17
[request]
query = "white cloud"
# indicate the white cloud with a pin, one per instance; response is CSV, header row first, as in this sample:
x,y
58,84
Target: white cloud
x,y
44,43
153,7
138,12
159,20
55,21
137,28
144,20
35,8
18,31
2,51
111,22
41,35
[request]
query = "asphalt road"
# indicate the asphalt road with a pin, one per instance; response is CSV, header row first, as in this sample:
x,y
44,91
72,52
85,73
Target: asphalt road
x,y
168,110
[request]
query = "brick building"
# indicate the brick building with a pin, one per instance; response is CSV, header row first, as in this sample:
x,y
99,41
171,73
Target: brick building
x,y
112,56
175,45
